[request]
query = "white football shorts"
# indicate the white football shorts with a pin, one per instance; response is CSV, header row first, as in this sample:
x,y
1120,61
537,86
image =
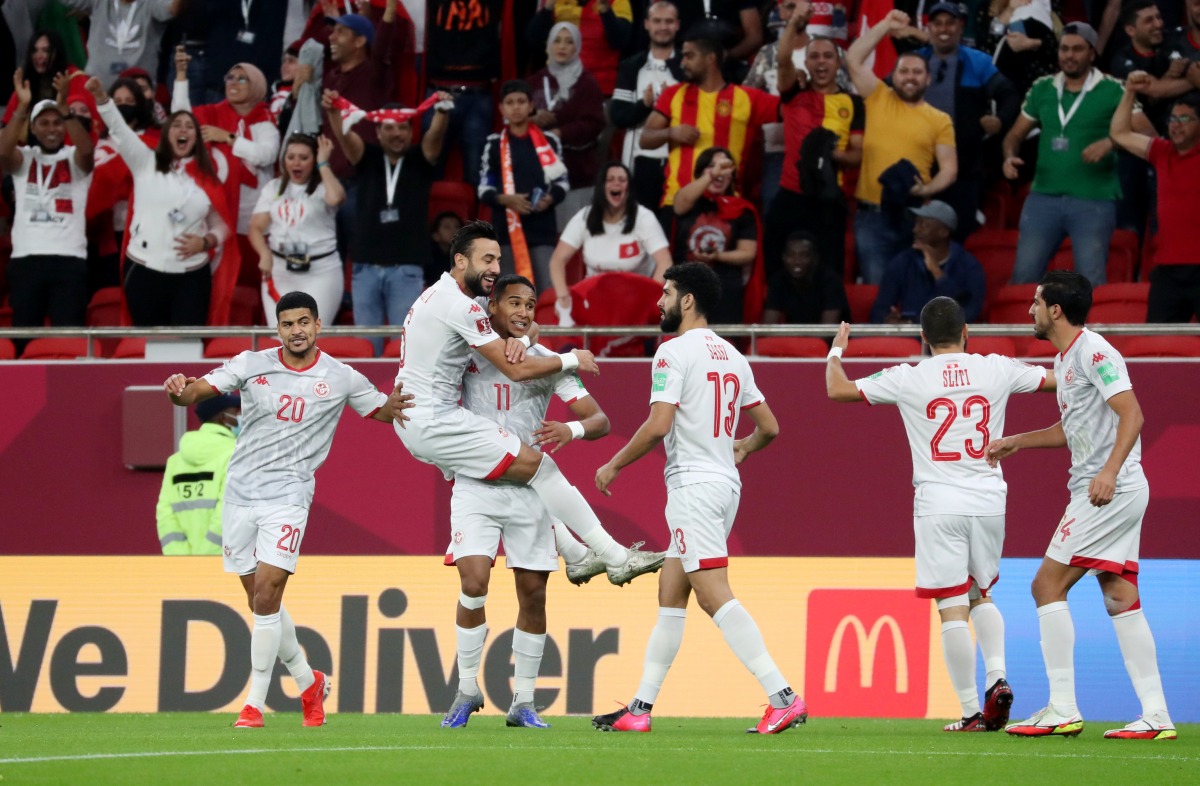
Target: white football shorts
x,y
261,533
953,551
1103,539
481,515
461,443
700,518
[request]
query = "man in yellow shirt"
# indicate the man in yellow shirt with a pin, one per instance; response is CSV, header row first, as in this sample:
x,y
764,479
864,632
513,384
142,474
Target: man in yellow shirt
x,y
189,505
900,126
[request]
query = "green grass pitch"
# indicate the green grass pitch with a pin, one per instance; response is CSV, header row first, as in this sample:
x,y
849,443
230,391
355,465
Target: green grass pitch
x,y
367,749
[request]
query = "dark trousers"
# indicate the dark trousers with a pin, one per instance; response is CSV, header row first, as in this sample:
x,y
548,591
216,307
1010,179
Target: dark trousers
x,y
1174,293
649,174
167,299
792,211
44,286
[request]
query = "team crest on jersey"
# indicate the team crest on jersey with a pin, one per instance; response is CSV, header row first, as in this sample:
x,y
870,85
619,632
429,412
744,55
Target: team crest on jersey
x,y
458,536
1070,377
228,551
724,108
484,325
321,389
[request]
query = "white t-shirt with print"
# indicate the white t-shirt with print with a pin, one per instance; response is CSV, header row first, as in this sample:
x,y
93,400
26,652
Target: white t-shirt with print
x,y
51,204
298,217
616,251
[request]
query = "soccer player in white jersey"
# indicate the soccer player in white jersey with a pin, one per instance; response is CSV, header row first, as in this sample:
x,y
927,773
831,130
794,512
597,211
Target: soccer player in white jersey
x,y
292,399
700,386
448,320
482,512
1100,533
952,404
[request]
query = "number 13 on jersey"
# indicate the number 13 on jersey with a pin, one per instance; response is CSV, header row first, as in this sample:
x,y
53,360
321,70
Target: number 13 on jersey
x,y
722,384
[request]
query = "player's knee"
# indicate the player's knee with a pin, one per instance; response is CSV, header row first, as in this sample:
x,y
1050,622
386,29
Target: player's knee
x,y
1120,599
474,586
1044,590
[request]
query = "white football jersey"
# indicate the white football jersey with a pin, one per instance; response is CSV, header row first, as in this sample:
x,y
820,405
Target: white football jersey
x,y
288,419
953,405
439,332
710,383
517,407
1089,373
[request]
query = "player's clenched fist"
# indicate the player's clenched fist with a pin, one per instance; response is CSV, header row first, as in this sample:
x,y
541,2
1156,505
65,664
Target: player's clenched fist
x,y
176,383
587,361
1000,449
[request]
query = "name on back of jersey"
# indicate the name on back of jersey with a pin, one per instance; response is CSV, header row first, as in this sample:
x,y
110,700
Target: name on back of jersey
x,y
954,376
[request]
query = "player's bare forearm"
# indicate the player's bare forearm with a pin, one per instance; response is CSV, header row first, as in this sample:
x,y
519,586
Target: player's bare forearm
x,y
186,391
766,429
838,386
1052,437
536,367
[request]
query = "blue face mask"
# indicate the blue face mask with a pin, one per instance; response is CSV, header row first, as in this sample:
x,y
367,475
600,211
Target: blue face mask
x,y
236,428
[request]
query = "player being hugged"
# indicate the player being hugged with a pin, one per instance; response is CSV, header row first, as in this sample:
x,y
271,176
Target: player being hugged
x,y
292,399
1101,531
953,403
700,385
484,512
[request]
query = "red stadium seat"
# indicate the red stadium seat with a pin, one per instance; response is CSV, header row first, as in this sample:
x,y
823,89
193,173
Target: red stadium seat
x,y
883,347
861,298
996,205
391,349
246,307
59,349
992,345
456,197
1118,303
104,310
1010,305
7,350
342,347
1148,261
1158,346
130,348
1120,265
224,347
791,347
1038,348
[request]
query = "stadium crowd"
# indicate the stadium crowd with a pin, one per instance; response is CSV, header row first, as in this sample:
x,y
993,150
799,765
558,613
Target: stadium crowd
x,y
183,162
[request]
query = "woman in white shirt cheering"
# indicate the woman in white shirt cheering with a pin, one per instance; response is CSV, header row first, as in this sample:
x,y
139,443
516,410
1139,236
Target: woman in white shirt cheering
x,y
616,234
179,215
296,211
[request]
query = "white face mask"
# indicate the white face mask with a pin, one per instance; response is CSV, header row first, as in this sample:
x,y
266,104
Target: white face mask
x,y
236,428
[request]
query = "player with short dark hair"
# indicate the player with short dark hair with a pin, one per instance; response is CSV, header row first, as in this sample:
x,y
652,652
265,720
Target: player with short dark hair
x,y
952,403
1101,530
700,385
292,398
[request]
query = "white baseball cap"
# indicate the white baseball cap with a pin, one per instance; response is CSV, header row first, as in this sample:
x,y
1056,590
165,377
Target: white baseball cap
x,y
42,106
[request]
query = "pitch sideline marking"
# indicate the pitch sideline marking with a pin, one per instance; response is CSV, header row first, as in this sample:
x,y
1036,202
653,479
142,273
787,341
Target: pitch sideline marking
x,y
368,748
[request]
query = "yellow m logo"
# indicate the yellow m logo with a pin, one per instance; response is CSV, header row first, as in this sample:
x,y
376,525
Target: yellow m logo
x,y
867,643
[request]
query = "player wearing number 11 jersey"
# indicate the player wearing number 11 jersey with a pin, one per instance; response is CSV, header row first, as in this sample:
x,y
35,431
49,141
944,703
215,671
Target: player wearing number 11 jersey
x,y
292,399
953,404
700,386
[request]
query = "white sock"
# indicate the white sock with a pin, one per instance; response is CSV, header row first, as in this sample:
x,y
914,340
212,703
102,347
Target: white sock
x,y
291,653
571,550
660,652
264,646
470,654
959,652
1058,651
1141,661
743,637
989,634
527,659
565,503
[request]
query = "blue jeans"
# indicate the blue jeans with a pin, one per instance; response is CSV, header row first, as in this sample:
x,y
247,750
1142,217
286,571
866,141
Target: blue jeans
x,y
383,294
1046,220
470,124
198,93
877,241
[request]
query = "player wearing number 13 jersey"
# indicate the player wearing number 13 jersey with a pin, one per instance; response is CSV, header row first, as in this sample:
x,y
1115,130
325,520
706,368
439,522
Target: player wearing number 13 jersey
x,y
1101,530
292,399
952,404
700,386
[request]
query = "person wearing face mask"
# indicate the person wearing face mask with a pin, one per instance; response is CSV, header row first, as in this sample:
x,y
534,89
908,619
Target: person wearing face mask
x,y
178,268
48,271
193,488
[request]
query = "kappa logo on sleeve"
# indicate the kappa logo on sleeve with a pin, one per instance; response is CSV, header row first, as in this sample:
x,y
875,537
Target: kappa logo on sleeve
x,y
484,325
1096,358
475,309
662,363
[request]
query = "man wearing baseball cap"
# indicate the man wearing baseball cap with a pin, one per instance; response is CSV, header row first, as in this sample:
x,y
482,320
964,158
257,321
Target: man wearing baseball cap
x,y
189,504
48,270
1075,186
935,266
966,84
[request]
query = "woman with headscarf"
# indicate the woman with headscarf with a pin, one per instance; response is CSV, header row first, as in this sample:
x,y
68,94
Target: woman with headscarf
x,y
179,268
242,138
569,103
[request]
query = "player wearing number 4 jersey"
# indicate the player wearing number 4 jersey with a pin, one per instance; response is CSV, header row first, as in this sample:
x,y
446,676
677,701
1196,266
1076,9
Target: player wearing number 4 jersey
x,y
952,404
292,399
1102,528
701,385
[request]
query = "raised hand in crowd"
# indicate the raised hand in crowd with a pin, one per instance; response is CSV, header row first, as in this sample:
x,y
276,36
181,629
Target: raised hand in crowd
x,y
22,89
96,88
1139,81
182,58
324,149
327,99
62,83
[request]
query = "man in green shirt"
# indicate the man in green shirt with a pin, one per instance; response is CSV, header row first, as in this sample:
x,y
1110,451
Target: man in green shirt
x,y
1075,186
189,505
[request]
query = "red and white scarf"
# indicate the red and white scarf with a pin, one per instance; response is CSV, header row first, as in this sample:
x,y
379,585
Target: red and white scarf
x,y
352,114
552,169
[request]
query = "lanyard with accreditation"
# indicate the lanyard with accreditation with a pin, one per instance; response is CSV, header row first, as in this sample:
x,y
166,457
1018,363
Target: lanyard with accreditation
x,y
1060,143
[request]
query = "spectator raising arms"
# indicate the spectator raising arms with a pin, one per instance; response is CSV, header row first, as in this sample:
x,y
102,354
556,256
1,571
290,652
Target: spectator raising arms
x,y
718,228
238,131
616,234
48,270
45,57
297,211
178,216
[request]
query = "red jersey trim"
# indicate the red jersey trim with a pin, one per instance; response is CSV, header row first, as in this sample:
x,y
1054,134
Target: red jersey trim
x,y
316,357
502,467
1128,571
943,592
1042,386
751,406
864,397
1063,354
983,591
715,562
371,414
